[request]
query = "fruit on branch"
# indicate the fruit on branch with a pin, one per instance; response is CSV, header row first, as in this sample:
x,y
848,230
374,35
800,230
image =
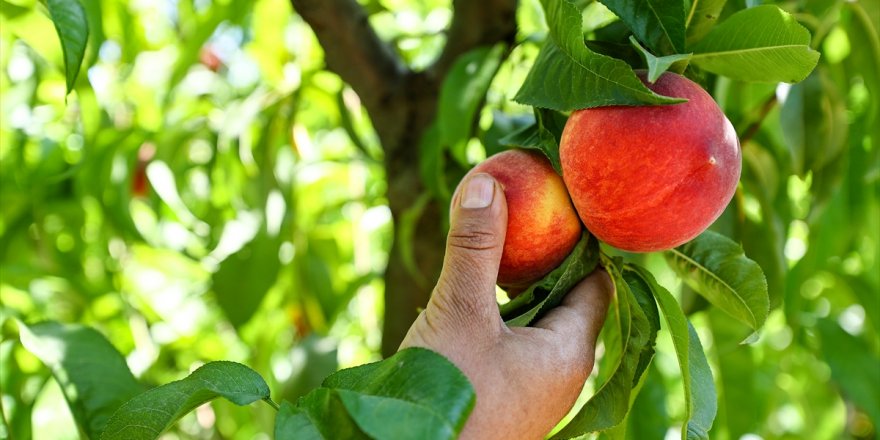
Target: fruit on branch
x,y
649,178
542,226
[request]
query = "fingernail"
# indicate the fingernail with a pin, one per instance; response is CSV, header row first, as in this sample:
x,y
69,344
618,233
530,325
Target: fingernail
x,y
479,192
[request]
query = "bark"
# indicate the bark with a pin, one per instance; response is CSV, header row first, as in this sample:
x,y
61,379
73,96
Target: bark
x,y
402,104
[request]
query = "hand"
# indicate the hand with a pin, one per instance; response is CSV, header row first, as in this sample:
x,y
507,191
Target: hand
x,y
526,378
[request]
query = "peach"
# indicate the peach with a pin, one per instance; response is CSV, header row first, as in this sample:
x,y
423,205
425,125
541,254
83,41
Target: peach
x,y
649,178
542,226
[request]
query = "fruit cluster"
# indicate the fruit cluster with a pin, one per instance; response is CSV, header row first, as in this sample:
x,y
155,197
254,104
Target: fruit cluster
x,y
641,178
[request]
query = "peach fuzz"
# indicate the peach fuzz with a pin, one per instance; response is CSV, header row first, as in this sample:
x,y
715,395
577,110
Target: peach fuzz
x,y
650,178
542,226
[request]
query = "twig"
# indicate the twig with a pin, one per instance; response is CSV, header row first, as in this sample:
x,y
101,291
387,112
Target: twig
x,y
753,128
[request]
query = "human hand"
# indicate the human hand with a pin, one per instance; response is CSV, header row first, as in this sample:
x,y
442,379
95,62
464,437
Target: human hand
x,y
526,378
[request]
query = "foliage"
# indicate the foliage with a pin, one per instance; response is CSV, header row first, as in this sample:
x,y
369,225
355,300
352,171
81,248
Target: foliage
x,y
190,182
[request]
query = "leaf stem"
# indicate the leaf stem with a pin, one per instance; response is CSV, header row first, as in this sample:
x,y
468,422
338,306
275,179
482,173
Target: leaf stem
x,y
272,403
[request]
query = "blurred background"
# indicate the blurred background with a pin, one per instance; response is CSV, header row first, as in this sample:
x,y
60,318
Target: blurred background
x,y
210,190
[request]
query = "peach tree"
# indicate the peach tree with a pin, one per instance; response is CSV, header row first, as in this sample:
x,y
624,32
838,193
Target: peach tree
x,y
809,175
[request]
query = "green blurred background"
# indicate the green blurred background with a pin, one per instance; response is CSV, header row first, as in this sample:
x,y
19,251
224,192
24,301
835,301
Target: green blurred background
x,y
211,191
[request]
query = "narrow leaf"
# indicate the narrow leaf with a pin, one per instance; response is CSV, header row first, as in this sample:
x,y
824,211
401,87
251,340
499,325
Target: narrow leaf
x,y
462,92
763,44
542,296
645,299
704,399
93,376
717,268
610,405
701,399
148,415
658,23
657,65
568,76
72,26
814,123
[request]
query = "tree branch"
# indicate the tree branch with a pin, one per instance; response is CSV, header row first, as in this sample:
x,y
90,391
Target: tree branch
x,y
753,128
352,49
474,24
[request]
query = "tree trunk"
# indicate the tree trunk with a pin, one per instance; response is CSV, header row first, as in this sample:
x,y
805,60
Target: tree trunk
x,y
402,104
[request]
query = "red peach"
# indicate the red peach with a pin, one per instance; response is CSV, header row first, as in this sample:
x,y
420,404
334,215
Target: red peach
x,y
649,178
542,226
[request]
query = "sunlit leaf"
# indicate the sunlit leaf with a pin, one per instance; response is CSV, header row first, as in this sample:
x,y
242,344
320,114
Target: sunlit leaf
x,y
568,76
717,268
461,93
148,415
93,376
762,43
73,30
701,399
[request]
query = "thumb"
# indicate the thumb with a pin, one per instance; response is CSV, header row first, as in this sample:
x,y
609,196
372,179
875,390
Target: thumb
x,y
465,291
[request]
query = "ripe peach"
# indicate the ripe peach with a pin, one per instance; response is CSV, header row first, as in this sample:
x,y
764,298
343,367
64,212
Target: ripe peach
x,y
542,226
650,178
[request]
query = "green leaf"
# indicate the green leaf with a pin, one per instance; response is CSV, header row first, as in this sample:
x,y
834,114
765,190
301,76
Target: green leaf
x,y
317,415
704,399
660,24
814,123
853,367
717,268
432,163
547,293
740,377
244,278
462,92
642,293
543,135
862,27
648,417
657,65
148,415
701,17
763,44
294,422
701,400
72,26
503,126
569,76
93,376
610,405
415,394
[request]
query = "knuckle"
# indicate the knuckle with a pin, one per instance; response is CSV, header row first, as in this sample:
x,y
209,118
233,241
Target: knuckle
x,y
473,239
463,308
